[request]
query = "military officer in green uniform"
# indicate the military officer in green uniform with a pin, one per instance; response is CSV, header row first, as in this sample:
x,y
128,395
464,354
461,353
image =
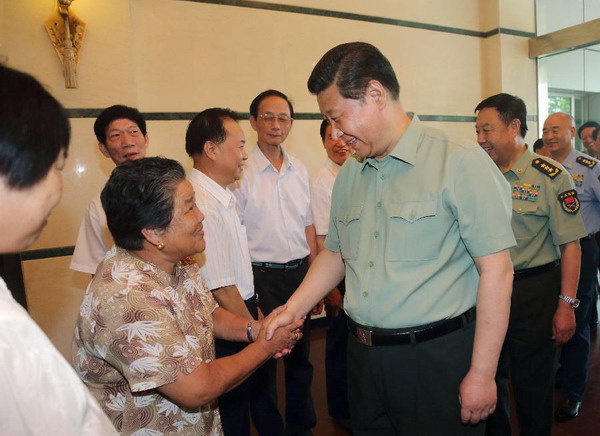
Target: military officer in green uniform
x,y
421,227
547,227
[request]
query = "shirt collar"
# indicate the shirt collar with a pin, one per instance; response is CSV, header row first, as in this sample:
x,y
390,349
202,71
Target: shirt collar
x,y
522,163
571,156
263,162
332,166
406,148
222,195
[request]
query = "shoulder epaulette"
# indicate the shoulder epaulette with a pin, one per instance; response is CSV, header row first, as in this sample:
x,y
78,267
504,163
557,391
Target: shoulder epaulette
x,y
546,167
586,162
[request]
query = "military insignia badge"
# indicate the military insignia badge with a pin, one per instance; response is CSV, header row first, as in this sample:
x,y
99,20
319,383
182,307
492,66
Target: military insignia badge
x,y
526,192
578,179
586,162
569,201
546,167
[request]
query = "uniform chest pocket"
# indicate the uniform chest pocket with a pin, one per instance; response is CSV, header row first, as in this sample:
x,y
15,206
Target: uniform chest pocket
x,y
524,207
349,231
525,222
415,231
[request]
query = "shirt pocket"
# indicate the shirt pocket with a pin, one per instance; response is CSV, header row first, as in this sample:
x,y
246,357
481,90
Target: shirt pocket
x,y
525,223
349,231
415,231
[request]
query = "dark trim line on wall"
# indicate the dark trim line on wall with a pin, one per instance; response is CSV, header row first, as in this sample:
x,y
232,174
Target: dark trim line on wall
x,y
187,116
361,17
46,253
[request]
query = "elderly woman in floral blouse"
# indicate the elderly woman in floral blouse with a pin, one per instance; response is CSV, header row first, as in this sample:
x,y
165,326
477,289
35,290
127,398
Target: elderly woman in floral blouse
x,y
144,341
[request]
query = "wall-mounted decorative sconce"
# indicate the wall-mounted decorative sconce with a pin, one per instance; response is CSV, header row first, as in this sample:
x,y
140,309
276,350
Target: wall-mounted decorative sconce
x,y
66,31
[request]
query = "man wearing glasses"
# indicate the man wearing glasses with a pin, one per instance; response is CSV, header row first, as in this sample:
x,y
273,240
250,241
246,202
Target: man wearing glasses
x,y
273,202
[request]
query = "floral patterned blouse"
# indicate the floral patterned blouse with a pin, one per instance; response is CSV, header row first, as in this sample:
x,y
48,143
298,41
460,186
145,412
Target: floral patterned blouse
x,y
138,327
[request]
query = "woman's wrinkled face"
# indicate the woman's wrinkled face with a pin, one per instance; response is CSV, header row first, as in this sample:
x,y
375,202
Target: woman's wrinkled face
x,y
184,236
24,212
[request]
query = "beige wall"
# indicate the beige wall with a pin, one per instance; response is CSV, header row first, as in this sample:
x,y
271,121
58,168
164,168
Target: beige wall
x,y
178,56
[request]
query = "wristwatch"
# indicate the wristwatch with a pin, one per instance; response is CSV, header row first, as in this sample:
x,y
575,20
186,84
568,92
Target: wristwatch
x,y
573,302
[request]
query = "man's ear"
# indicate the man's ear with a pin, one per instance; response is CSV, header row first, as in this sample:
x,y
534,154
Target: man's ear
x,y
211,150
103,150
516,126
253,122
377,93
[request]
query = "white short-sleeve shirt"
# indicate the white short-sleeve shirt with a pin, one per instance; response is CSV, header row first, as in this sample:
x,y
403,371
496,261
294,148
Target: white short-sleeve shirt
x,y
321,185
39,391
93,241
274,206
226,258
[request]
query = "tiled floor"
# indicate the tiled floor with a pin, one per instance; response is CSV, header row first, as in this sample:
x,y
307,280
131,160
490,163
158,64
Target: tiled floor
x,y
586,424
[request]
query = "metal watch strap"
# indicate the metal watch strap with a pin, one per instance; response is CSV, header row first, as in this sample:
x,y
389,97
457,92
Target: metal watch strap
x,y
569,300
249,331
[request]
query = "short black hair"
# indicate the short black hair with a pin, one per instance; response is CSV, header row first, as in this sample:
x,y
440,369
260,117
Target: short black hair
x,y
140,195
323,129
585,126
539,143
269,93
509,107
595,133
117,112
208,125
34,129
351,67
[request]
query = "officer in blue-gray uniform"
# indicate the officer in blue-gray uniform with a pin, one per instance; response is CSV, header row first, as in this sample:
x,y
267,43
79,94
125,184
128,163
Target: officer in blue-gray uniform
x,y
558,135
547,226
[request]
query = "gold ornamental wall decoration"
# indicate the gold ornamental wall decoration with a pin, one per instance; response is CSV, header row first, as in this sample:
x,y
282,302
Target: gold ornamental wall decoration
x,y
66,31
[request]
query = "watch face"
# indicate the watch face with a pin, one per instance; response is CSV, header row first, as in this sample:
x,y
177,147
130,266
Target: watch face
x,y
575,303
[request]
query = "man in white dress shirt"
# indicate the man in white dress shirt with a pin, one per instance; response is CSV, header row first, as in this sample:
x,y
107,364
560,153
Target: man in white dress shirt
x,y
215,142
274,205
121,134
321,186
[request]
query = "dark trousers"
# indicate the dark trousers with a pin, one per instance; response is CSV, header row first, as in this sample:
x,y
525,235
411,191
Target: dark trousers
x,y
234,406
274,286
410,390
336,367
528,357
574,358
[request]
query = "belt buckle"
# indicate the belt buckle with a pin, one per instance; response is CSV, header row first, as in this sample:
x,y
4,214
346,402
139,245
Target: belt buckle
x,y
363,336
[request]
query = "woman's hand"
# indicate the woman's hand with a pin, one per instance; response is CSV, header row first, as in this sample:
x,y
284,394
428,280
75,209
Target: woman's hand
x,y
283,338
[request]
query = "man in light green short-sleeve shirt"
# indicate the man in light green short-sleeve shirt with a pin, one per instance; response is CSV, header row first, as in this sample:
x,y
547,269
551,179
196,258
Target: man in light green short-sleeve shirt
x,y
408,225
547,226
421,228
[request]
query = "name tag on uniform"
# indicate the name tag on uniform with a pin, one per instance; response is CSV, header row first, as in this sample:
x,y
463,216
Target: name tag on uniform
x,y
578,179
526,192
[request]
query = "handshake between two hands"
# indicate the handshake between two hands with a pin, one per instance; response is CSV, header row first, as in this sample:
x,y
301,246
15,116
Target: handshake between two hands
x,y
280,331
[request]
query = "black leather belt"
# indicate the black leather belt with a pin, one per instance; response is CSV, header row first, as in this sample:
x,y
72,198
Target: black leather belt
x,y
412,335
292,264
528,272
590,236
252,300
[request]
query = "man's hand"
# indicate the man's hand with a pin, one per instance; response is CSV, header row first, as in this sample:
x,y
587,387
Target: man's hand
x,y
334,302
284,338
477,397
318,308
281,319
563,323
